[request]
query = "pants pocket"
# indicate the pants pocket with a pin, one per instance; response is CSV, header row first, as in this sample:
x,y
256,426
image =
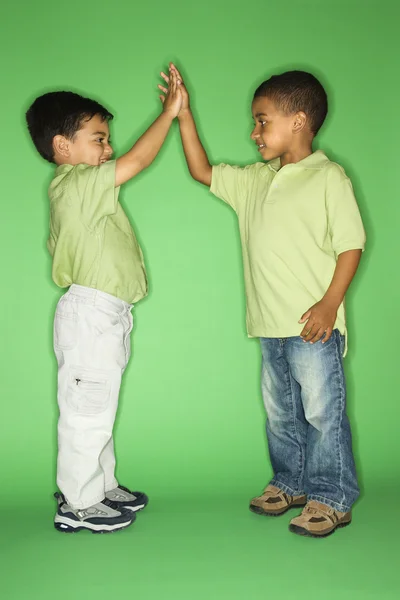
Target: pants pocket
x,y
65,326
88,391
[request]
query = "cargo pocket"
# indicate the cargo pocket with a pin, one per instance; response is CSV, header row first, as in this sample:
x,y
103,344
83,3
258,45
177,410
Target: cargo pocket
x,y
88,391
65,327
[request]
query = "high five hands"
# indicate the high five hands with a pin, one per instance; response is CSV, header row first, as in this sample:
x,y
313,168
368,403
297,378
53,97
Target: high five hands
x,y
175,87
172,101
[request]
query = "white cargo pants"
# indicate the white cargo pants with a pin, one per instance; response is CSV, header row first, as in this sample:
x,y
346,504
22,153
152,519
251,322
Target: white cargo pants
x,y
92,346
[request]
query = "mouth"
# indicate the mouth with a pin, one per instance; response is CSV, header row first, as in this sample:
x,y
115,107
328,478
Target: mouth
x,y
103,160
261,147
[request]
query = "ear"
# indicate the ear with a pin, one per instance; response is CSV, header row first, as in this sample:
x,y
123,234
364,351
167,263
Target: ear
x,y
61,146
300,121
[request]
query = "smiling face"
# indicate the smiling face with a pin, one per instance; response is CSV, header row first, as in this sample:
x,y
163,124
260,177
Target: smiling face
x,y
90,145
274,130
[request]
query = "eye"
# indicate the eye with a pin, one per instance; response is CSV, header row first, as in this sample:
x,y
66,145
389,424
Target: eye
x,y
100,140
263,123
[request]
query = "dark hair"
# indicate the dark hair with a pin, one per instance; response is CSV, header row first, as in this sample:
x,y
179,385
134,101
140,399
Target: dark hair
x,y
294,91
59,113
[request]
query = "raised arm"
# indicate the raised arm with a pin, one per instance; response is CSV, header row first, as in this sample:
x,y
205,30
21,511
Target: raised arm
x,y
144,151
196,157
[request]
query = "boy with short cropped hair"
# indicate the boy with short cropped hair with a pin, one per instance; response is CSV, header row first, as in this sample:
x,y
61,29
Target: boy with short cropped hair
x,y
96,255
302,239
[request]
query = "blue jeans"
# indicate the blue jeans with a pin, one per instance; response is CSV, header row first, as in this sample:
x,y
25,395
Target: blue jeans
x,y
308,430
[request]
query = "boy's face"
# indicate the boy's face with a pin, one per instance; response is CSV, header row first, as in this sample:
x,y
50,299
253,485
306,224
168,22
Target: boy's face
x,y
90,145
273,131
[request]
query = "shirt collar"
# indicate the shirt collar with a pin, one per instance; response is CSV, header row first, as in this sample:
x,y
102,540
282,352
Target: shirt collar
x,y
316,160
60,169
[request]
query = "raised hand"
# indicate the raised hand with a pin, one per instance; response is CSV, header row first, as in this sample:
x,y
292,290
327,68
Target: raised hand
x,y
172,101
174,73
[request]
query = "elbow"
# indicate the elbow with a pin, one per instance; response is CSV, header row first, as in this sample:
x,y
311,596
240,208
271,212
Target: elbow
x,y
202,176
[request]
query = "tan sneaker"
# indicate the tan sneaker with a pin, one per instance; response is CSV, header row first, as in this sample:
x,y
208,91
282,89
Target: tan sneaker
x,y
319,520
274,502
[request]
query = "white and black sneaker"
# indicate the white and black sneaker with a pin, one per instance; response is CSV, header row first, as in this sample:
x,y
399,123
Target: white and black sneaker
x,y
125,499
103,517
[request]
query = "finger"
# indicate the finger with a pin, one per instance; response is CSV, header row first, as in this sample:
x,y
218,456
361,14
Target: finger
x,y
182,87
162,98
177,72
318,335
180,96
172,82
306,329
312,332
163,89
328,334
181,84
164,76
306,316
173,69
309,331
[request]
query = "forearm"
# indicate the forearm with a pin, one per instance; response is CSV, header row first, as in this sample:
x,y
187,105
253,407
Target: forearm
x,y
196,157
144,151
346,268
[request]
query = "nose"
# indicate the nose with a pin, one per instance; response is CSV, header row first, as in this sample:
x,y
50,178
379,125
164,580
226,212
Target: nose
x,y
254,135
108,150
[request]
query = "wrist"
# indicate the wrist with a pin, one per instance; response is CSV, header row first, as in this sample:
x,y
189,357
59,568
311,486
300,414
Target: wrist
x,y
184,114
333,299
168,114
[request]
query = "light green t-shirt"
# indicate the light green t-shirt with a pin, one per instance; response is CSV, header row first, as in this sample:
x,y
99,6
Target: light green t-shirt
x,y
91,240
294,221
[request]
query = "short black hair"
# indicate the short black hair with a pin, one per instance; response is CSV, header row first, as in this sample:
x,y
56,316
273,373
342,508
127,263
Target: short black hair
x,y
294,91
60,113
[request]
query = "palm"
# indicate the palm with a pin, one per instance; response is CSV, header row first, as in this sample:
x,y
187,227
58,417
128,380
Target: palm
x,y
182,87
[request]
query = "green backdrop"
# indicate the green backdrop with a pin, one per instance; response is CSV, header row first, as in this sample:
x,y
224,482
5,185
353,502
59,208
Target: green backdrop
x,y
190,429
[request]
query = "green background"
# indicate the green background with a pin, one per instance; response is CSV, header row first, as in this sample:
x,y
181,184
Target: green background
x,y
190,430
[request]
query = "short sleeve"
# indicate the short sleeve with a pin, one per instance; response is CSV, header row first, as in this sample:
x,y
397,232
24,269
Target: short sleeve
x,y
231,183
95,189
344,219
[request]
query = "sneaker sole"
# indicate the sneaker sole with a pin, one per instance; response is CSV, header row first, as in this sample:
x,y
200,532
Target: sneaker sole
x,y
305,533
134,508
65,525
259,511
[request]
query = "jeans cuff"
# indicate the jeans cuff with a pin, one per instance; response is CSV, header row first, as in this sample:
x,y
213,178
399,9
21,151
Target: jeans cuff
x,y
286,488
331,503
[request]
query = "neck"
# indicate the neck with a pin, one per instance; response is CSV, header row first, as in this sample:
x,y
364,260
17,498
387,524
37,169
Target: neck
x,y
295,155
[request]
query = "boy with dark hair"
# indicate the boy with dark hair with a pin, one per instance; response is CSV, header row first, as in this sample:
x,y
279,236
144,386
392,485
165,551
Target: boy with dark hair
x,y
96,254
302,239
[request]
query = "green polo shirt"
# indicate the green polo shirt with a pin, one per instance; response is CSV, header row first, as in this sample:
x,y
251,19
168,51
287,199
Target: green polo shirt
x,y
91,240
294,221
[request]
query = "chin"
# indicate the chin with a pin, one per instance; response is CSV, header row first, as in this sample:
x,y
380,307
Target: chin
x,y
268,154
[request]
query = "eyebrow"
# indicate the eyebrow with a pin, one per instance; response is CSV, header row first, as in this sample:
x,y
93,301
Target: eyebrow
x,y
100,133
261,115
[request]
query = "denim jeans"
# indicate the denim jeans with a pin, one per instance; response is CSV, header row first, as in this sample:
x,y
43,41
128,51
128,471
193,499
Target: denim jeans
x,y
308,430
